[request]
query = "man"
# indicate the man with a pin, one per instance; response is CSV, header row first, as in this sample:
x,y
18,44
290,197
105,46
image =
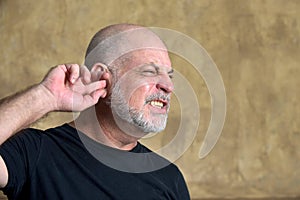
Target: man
x,y
123,93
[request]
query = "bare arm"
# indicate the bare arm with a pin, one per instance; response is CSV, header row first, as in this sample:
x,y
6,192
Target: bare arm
x,y
65,88
22,109
18,112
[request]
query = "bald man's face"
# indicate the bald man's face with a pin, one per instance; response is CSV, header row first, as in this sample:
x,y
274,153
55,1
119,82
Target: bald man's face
x,y
141,95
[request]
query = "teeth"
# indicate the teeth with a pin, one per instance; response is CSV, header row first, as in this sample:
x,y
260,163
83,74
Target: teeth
x,y
157,104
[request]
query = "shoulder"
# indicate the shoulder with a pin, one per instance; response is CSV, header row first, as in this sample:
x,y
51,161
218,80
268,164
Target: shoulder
x,y
168,175
26,137
33,136
64,131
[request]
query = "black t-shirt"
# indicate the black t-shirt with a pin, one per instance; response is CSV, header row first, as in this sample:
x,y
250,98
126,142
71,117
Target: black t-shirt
x,y
55,164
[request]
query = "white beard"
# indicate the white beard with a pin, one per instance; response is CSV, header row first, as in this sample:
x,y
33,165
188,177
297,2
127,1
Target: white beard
x,y
121,108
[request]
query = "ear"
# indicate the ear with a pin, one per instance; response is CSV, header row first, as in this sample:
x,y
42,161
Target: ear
x,y
100,71
99,67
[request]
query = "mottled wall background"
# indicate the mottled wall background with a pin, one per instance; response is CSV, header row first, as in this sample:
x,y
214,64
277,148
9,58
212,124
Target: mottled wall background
x,y
254,43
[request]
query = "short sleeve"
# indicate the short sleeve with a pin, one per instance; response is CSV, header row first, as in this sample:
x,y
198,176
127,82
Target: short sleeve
x,y
20,154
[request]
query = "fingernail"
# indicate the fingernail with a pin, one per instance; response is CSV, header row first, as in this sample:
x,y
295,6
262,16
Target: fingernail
x,y
73,79
104,94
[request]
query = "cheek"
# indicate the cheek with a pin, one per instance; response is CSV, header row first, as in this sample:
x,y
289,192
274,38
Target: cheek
x,y
139,95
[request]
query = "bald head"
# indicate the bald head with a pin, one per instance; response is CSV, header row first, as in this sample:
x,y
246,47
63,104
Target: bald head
x,y
115,41
107,32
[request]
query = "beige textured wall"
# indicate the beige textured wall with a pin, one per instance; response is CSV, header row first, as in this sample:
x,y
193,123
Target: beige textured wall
x,y
255,44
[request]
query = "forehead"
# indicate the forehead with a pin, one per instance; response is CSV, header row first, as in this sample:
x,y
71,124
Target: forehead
x,y
139,58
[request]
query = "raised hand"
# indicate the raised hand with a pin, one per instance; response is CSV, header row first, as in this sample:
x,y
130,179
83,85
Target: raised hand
x,y
74,87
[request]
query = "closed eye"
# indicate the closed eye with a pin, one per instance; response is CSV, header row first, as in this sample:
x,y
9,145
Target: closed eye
x,y
171,73
149,72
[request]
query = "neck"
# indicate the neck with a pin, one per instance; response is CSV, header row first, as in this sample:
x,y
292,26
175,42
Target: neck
x,y
103,128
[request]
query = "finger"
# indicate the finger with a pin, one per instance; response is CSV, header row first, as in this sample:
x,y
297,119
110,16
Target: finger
x,y
98,94
107,76
73,72
85,75
104,94
92,87
93,98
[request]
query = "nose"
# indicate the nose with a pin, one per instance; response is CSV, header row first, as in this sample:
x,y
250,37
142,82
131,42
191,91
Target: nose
x,y
166,85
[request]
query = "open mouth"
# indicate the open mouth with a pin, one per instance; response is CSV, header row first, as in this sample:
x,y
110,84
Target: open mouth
x,y
158,103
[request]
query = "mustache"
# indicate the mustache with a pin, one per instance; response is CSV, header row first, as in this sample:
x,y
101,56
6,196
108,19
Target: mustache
x,y
157,96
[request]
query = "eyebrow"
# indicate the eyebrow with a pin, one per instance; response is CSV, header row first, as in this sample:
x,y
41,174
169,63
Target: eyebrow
x,y
157,67
171,71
